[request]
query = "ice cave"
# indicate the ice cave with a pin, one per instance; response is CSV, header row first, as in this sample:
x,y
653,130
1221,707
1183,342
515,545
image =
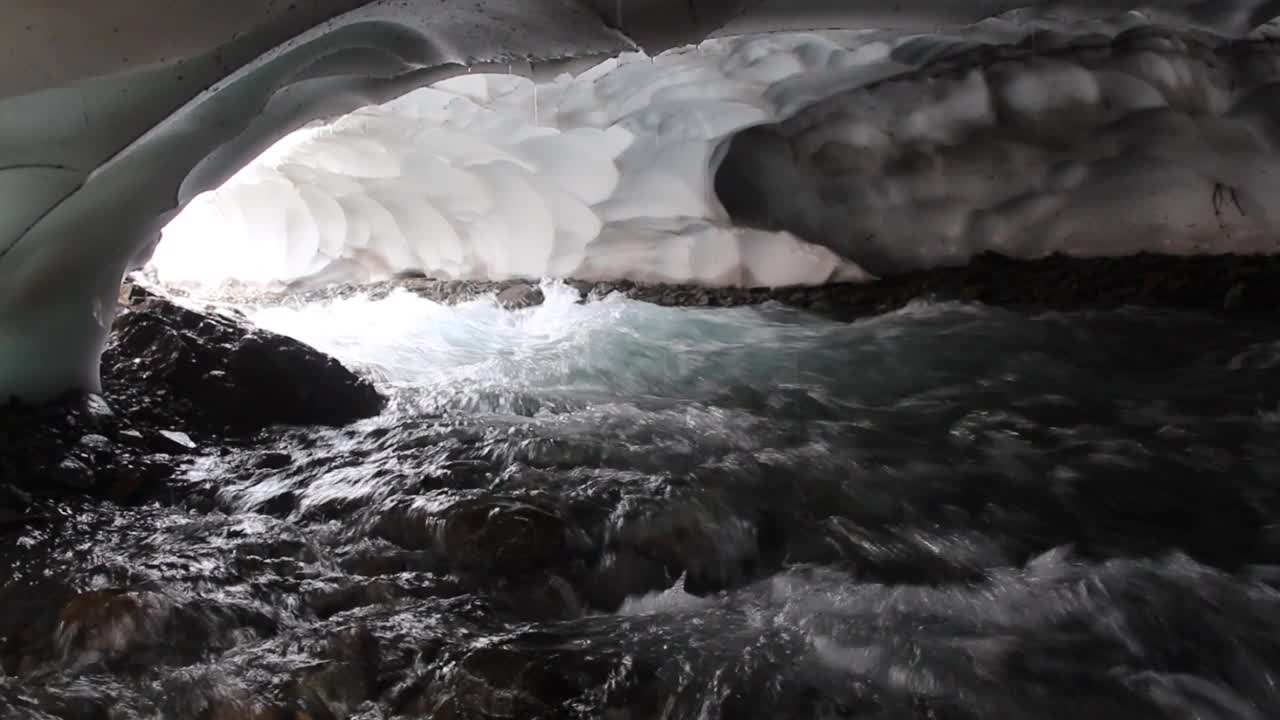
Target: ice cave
x,y
406,138
631,359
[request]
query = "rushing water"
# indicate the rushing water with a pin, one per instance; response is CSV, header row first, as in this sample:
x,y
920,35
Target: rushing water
x,y
621,511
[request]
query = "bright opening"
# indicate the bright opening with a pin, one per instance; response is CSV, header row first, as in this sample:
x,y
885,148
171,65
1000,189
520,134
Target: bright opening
x,y
606,175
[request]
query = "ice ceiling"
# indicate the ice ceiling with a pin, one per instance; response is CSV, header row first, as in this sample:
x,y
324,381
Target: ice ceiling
x,y
944,129
603,175
896,151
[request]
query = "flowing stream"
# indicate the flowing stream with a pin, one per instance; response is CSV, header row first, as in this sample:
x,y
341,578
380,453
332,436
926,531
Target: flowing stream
x,y
621,511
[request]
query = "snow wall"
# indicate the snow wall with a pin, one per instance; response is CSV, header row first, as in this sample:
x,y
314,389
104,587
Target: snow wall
x,y
775,159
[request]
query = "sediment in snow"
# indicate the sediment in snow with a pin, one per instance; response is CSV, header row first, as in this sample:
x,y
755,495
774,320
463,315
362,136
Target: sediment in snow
x,y
774,160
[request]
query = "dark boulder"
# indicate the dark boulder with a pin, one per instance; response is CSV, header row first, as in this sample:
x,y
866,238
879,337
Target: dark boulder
x,y
72,447
232,375
486,535
504,536
520,296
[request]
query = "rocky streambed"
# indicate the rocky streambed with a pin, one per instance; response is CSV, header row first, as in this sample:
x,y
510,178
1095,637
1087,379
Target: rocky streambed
x,y
177,380
922,516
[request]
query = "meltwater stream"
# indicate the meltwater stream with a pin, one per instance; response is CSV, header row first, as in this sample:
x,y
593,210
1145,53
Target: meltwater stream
x,y
615,510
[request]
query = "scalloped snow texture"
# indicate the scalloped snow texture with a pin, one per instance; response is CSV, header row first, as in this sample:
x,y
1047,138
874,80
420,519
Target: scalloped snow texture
x,y
606,175
920,150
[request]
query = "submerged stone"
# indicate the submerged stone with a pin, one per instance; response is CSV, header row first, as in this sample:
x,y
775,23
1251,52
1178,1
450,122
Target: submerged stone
x,y
74,474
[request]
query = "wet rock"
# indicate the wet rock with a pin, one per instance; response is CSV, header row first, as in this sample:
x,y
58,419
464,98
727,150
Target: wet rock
x,y
1218,282
520,296
9,516
281,504
132,437
142,476
230,374
178,440
77,702
1234,298
97,410
706,542
29,615
624,573
273,461
45,450
230,710
329,602
132,293
375,561
78,445
99,625
504,536
349,677
356,646
96,443
98,446
74,474
498,682
548,598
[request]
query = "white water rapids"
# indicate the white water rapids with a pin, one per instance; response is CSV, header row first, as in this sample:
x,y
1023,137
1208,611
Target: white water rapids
x,y
615,509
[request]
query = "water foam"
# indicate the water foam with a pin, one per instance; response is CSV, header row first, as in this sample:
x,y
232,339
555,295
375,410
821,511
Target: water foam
x,y
451,358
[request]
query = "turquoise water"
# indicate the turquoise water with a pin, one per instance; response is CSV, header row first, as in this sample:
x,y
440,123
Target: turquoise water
x,y
616,510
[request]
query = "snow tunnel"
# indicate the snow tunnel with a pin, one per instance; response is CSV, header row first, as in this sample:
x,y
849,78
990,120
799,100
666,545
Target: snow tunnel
x,y
803,142
604,174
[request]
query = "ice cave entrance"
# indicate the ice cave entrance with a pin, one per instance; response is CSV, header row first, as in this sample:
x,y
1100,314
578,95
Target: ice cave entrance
x,y
602,175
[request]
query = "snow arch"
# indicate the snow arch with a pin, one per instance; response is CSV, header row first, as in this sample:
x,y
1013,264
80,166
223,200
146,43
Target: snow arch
x,y
99,152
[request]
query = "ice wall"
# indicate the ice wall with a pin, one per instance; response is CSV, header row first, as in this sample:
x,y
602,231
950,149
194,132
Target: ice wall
x,y
1152,140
